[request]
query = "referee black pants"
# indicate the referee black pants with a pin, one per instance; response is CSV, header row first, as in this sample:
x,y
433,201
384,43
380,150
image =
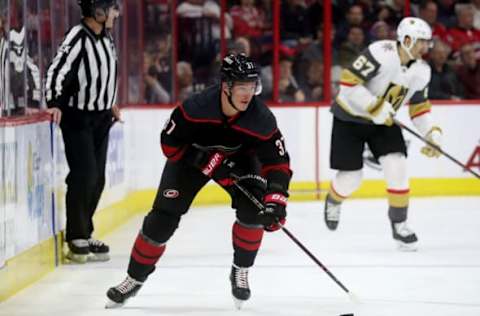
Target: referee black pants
x,y
85,135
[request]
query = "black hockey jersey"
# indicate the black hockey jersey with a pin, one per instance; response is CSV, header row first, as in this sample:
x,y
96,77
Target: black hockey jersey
x,y
200,121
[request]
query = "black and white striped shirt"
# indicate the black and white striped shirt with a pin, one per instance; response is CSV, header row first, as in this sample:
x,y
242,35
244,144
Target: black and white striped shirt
x,y
4,74
83,74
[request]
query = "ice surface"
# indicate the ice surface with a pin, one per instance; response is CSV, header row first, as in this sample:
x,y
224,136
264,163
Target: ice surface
x,y
442,278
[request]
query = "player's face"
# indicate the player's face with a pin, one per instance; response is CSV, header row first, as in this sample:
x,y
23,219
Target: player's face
x,y
242,94
420,48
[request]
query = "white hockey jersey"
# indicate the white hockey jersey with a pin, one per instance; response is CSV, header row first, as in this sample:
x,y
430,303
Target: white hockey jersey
x,y
377,75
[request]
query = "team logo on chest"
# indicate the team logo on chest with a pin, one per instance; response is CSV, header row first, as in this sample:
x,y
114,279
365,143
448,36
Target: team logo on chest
x,y
395,94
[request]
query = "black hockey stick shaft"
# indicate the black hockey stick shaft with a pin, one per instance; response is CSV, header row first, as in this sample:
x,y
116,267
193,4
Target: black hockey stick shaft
x,y
429,143
261,207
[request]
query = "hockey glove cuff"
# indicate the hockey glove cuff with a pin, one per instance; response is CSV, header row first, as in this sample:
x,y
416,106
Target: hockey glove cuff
x,y
434,136
212,164
275,213
382,114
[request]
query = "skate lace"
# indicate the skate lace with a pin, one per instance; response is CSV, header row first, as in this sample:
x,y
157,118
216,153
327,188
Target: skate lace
x,y
95,242
241,277
333,212
403,230
127,285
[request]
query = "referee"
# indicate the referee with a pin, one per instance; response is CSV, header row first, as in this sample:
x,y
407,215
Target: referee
x,y
81,88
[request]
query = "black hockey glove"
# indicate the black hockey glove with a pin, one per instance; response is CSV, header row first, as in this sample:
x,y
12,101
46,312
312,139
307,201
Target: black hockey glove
x,y
213,164
275,213
253,183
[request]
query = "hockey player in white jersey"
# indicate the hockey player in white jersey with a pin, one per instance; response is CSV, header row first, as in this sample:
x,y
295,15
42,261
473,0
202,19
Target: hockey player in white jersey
x,y
387,75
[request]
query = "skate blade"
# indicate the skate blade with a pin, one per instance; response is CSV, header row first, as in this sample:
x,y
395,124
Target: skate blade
x,y
111,304
332,226
98,257
76,258
411,247
238,303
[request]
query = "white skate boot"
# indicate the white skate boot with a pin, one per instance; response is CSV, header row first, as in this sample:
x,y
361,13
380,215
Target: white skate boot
x,y
404,236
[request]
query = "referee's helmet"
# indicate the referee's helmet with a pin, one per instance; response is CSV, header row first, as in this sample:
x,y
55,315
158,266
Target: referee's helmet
x,y
88,7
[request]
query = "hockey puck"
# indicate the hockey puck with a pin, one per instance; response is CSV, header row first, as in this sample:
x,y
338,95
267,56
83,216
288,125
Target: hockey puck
x,y
346,315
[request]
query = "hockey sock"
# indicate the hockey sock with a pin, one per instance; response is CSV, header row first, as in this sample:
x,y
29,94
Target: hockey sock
x,y
398,204
144,256
246,242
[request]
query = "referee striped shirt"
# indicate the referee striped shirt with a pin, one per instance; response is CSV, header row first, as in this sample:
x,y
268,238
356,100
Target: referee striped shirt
x,y
4,73
83,74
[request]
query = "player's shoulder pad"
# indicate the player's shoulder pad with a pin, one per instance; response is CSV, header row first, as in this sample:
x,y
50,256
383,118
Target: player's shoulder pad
x,y
203,106
384,52
257,121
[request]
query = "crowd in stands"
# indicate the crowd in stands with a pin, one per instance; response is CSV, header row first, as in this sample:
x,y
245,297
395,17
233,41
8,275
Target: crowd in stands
x,y
248,28
177,64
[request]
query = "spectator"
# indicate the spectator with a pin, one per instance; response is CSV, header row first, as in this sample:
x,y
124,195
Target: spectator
x,y
313,86
199,42
428,11
381,31
369,11
4,68
352,47
159,83
288,88
241,45
154,91
353,17
315,15
396,8
248,20
314,51
444,83
464,32
446,12
476,19
184,80
209,9
266,7
390,11
294,23
469,72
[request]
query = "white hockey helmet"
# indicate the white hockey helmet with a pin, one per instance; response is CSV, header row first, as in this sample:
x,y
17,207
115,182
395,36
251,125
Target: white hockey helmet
x,y
415,28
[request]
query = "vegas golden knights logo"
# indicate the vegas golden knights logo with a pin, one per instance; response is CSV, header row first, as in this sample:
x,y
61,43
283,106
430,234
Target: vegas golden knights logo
x,y
395,94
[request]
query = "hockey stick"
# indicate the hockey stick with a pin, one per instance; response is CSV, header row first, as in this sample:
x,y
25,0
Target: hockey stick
x,y
261,207
436,147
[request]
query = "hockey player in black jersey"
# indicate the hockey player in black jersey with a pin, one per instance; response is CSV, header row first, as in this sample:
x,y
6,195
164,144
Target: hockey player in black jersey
x,y
223,131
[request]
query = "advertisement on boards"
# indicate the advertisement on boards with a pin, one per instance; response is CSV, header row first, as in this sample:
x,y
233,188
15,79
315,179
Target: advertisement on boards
x,y
8,192
33,216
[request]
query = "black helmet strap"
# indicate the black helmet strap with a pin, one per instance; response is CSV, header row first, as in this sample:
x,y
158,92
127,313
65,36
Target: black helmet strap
x,y
229,95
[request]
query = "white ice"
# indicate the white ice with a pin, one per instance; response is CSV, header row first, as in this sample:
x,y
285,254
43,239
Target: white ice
x,y
441,279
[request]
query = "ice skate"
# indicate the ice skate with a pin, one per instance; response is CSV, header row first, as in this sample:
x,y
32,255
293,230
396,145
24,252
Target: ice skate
x,y
98,250
118,295
331,214
404,236
240,288
78,251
